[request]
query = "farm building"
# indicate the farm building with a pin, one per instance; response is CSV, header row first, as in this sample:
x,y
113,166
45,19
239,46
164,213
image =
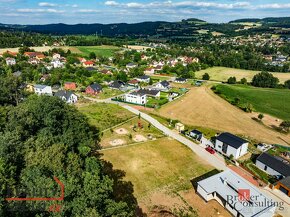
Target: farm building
x,y
273,165
231,145
225,188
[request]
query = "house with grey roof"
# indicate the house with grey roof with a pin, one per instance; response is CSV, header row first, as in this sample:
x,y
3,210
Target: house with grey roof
x,y
231,145
42,90
163,85
237,195
273,165
67,96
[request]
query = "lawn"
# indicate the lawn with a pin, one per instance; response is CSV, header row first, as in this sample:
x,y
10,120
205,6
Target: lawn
x,y
108,93
275,102
157,164
105,116
223,73
105,51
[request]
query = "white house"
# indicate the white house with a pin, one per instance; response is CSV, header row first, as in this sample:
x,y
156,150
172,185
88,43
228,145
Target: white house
x,y
144,78
237,195
136,98
196,134
10,61
56,56
273,165
67,96
229,144
180,80
163,85
42,90
149,71
150,92
131,65
56,63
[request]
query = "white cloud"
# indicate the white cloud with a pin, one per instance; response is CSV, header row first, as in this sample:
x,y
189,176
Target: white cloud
x,y
46,4
274,6
111,3
36,10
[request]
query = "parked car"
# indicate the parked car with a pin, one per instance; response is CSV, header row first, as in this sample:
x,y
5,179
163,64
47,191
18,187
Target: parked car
x,y
210,150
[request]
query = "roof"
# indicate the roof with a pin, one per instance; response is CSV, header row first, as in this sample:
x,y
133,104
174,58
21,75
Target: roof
x,y
148,92
144,77
165,83
275,163
134,81
64,93
286,181
196,132
231,140
180,79
137,93
40,86
117,84
89,63
131,64
228,183
96,87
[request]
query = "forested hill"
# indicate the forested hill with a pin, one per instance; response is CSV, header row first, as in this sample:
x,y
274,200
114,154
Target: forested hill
x,y
184,28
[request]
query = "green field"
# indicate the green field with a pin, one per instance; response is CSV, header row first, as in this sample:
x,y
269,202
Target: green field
x,y
105,51
223,74
275,102
105,116
157,164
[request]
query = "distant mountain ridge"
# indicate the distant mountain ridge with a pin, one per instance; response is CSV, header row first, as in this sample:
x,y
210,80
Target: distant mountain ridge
x,y
184,28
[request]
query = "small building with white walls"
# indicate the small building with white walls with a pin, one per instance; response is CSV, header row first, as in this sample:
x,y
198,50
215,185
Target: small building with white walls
x,y
42,90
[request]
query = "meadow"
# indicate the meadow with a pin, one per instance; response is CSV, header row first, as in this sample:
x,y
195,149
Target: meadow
x,y
104,51
275,102
223,73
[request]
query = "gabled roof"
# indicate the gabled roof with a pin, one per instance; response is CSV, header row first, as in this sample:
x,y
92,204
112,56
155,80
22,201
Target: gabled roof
x,y
231,140
165,83
144,77
180,79
96,87
275,163
196,132
286,181
64,93
40,86
148,92
117,84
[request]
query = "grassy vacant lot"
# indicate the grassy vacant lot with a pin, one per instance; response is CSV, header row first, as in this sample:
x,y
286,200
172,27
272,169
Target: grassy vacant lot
x,y
105,51
157,164
104,116
223,73
275,102
201,107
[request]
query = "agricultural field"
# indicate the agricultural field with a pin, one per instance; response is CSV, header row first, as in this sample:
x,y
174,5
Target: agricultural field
x,y
161,171
104,116
223,73
202,107
275,102
105,51
135,130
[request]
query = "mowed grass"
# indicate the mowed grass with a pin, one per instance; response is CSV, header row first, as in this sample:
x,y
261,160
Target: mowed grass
x,y
157,164
275,102
105,116
104,51
223,74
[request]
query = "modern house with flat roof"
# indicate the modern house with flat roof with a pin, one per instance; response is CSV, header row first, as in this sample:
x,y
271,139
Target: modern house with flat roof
x,y
229,144
237,195
136,97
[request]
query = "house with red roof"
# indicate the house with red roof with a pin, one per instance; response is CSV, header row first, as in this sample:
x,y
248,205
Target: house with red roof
x,y
70,86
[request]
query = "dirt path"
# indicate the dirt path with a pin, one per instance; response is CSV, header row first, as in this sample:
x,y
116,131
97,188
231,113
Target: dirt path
x,y
201,107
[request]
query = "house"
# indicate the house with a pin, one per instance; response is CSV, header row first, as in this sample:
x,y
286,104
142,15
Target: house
x,y
231,145
236,194
67,96
144,78
37,55
10,61
158,68
44,77
106,72
196,134
82,60
163,85
56,56
17,74
134,82
42,90
180,80
118,85
179,127
149,71
283,185
56,63
136,97
150,92
273,165
94,89
88,63
70,86
131,65
33,61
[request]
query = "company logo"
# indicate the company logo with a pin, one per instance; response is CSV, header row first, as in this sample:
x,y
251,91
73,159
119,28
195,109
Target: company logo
x,y
244,195
20,202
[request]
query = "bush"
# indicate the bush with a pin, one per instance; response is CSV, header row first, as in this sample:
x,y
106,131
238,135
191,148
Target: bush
x,y
265,79
206,77
232,80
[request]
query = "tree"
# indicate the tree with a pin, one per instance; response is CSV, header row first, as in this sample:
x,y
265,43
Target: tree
x,y
244,81
287,84
92,56
205,77
265,79
232,80
260,116
285,125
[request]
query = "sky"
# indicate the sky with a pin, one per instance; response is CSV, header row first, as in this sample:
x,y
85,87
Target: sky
x,y
133,11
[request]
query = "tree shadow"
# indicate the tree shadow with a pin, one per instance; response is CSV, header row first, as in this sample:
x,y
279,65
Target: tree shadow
x,y
122,190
